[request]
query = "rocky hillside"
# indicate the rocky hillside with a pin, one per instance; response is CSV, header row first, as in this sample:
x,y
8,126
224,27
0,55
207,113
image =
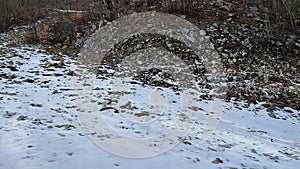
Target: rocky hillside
x,y
259,42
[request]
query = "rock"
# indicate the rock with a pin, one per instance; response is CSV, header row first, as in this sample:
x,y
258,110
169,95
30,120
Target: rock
x,y
227,6
182,16
202,32
273,115
253,151
9,114
279,43
217,161
22,118
231,15
245,42
225,31
215,25
249,15
229,19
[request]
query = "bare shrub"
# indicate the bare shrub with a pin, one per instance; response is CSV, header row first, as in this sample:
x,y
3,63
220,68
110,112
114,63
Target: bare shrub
x,y
179,6
16,12
280,15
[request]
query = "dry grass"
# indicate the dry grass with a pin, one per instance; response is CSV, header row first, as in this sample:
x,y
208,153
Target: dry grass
x,y
279,15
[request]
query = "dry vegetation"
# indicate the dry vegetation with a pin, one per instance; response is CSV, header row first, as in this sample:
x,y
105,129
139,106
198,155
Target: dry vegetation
x,y
63,28
280,15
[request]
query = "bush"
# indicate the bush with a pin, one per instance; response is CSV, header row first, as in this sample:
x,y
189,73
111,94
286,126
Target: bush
x,y
282,15
16,12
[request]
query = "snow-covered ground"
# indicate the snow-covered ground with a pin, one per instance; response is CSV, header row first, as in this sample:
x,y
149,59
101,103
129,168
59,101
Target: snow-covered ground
x,y
40,127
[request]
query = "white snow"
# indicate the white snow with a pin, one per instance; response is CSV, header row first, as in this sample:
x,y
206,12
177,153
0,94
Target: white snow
x,y
39,125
